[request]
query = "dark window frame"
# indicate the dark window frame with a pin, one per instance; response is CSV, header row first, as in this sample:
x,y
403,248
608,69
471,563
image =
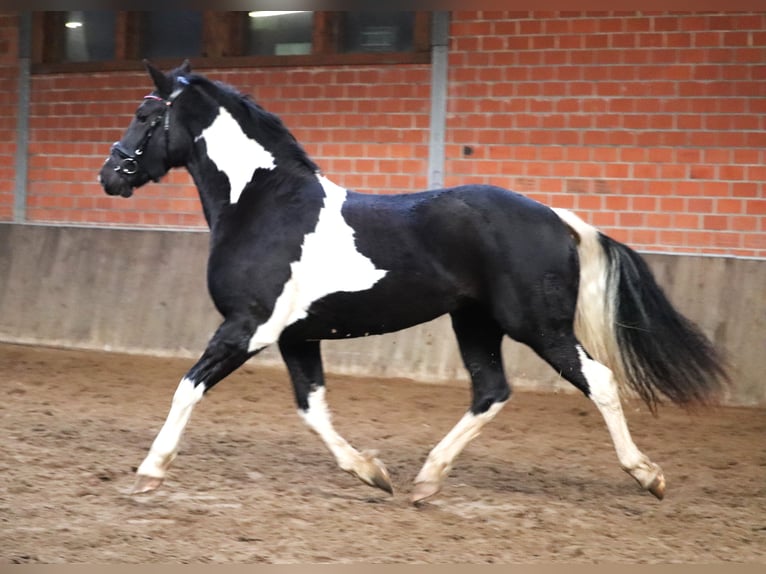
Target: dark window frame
x,y
223,41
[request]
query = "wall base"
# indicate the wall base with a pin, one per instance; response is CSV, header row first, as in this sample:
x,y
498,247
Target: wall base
x,y
144,292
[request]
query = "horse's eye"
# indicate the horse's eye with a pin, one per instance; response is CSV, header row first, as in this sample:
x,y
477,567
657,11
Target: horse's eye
x,y
141,118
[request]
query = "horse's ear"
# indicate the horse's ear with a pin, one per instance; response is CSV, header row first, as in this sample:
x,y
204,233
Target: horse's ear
x,y
161,81
185,68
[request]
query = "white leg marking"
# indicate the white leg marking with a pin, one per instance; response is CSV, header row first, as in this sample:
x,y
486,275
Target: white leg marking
x,y
165,445
604,393
443,455
329,263
234,153
363,465
318,418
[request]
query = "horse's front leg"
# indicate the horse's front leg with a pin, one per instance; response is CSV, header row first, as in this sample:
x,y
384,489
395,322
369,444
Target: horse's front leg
x,y
226,351
304,363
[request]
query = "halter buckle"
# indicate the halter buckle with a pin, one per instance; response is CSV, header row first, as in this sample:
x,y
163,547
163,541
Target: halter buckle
x,y
128,166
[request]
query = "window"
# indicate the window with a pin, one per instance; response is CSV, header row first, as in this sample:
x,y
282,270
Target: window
x,y
279,33
88,36
111,40
377,31
171,34
76,36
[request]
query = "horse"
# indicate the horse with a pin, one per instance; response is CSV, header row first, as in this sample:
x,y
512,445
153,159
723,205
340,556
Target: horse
x,y
295,259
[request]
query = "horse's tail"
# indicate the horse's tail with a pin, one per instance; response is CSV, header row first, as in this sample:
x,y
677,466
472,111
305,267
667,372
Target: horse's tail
x,y
625,321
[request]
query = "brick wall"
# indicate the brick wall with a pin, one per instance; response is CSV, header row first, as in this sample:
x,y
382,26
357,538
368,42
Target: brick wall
x,y
652,126
9,70
367,128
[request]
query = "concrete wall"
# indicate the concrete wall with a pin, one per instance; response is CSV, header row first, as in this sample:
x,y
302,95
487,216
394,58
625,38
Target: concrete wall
x,y
143,291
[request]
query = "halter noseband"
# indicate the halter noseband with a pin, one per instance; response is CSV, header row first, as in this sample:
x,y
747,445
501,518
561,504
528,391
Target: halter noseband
x,y
129,164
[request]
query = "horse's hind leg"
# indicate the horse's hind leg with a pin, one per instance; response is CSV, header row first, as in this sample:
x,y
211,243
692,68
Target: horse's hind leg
x,y
479,338
304,363
226,351
569,358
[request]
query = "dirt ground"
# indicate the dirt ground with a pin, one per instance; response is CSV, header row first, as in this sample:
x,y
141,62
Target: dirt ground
x,y
253,484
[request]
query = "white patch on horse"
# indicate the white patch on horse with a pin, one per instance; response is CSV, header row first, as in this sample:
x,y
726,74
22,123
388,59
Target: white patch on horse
x,y
318,418
592,325
165,445
605,395
329,263
442,456
234,153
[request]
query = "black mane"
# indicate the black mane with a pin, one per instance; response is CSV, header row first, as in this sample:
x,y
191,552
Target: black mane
x,y
267,128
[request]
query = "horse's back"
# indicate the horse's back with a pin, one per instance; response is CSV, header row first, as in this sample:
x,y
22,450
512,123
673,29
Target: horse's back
x,y
471,231
518,256
442,250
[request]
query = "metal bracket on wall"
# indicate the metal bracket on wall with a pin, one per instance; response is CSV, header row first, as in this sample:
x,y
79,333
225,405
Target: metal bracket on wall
x,y
439,47
22,117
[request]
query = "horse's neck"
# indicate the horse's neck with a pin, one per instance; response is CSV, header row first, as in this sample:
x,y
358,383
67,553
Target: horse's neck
x,y
246,187
228,150
213,197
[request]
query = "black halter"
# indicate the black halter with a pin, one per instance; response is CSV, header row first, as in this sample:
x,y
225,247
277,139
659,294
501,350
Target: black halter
x,y
129,164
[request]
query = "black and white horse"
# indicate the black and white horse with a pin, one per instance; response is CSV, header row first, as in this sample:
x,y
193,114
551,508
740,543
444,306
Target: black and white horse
x,y
295,258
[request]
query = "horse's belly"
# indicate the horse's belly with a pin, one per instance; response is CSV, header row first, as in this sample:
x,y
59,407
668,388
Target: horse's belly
x,y
379,310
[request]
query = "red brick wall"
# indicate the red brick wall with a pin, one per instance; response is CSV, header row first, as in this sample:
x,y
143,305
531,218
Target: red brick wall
x,y
366,127
652,126
9,71
649,125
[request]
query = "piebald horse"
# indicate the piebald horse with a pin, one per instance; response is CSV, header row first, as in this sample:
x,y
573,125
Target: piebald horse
x,y
295,258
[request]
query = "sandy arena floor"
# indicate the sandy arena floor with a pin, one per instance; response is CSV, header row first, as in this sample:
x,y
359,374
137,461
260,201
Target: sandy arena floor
x,y
253,484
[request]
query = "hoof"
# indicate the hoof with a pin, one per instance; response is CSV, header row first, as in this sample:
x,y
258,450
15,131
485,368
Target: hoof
x,y
374,473
650,477
657,487
145,484
424,490
383,482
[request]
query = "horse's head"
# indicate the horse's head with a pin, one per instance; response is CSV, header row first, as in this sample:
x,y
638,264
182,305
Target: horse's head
x,y
151,146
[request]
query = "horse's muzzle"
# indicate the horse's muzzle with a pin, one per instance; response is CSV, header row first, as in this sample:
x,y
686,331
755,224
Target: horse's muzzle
x,y
112,181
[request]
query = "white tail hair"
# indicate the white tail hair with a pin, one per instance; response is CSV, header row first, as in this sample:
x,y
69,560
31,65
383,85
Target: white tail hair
x,y
625,321
596,299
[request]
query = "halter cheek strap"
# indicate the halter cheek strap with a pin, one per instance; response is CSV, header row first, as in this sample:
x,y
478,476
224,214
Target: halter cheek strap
x,y
130,162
